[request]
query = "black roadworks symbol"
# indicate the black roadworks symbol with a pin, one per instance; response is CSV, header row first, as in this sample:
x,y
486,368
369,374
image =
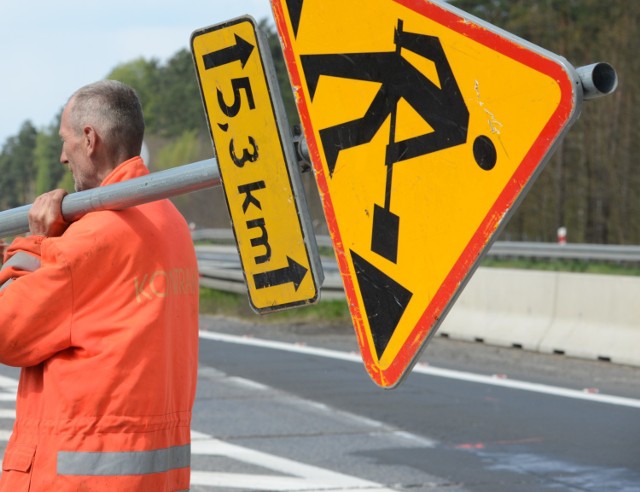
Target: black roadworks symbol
x,y
439,103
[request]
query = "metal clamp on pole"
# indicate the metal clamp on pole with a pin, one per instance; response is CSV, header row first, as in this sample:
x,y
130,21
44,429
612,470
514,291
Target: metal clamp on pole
x,y
154,186
302,151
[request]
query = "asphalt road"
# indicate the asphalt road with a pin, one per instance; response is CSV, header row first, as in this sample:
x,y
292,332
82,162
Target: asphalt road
x,y
290,407
496,420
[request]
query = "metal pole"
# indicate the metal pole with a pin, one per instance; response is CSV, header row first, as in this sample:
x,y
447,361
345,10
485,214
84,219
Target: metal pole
x,y
598,79
154,186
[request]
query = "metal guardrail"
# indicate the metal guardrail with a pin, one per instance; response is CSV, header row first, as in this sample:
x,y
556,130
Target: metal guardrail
x,y
585,252
226,235
232,280
220,268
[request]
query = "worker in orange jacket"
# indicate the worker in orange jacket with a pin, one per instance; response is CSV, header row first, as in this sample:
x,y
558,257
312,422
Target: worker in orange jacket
x,y
102,317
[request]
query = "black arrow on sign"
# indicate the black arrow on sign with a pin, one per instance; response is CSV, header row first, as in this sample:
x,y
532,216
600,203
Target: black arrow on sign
x,y
241,51
293,273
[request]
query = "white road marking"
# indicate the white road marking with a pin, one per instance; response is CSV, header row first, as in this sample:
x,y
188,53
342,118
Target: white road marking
x,y
293,475
8,388
9,383
288,475
247,383
431,371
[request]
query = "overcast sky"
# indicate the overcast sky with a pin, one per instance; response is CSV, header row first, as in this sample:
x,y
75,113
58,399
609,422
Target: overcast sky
x,y
50,48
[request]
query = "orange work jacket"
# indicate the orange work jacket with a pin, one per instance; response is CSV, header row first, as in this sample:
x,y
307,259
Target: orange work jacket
x,y
103,321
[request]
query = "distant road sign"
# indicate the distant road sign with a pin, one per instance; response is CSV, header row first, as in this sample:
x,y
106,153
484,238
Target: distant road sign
x,y
257,166
425,127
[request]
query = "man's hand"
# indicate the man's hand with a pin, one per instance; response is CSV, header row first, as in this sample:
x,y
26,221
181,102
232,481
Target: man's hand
x,y
45,215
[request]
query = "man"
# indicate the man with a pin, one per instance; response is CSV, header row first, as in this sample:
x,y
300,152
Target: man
x,y
101,315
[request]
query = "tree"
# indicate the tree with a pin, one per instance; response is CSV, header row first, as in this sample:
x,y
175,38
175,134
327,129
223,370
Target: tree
x,y
46,158
181,107
8,198
169,93
589,185
17,167
281,71
143,75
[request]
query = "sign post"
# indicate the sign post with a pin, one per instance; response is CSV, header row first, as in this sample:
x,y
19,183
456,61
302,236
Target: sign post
x,y
425,127
258,167
117,196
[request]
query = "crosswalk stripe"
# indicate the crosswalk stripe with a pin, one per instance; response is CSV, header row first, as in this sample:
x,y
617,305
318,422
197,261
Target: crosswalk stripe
x,y
286,474
289,474
7,382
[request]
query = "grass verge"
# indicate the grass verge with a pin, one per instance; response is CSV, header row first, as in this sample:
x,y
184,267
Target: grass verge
x,y
577,266
237,305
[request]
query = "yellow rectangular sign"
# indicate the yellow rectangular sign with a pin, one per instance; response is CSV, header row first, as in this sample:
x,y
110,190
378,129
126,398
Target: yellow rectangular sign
x,y
263,194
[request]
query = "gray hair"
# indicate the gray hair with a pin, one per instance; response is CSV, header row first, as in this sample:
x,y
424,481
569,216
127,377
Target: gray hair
x,y
114,110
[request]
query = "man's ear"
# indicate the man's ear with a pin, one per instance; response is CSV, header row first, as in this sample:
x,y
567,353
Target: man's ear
x,y
90,139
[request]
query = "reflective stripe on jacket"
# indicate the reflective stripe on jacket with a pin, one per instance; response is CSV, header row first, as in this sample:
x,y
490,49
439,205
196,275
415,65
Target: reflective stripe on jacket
x,y
103,321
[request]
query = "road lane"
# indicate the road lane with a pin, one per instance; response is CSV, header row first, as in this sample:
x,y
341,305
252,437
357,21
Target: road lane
x,y
303,419
325,447
266,439
489,436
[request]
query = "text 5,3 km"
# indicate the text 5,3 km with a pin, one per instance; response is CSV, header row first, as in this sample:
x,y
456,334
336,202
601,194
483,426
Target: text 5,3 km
x,y
253,151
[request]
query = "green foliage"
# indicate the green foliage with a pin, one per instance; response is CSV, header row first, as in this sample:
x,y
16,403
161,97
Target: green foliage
x,y
564,265
230,304
182,108
169,93
281,71
224,303
17,167
326,311
182,150
66,182
590,185
7,179
46,159
143,75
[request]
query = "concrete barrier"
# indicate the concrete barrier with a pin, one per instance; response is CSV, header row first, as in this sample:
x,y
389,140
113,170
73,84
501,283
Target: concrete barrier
x,y
596,316
580,315
577,314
